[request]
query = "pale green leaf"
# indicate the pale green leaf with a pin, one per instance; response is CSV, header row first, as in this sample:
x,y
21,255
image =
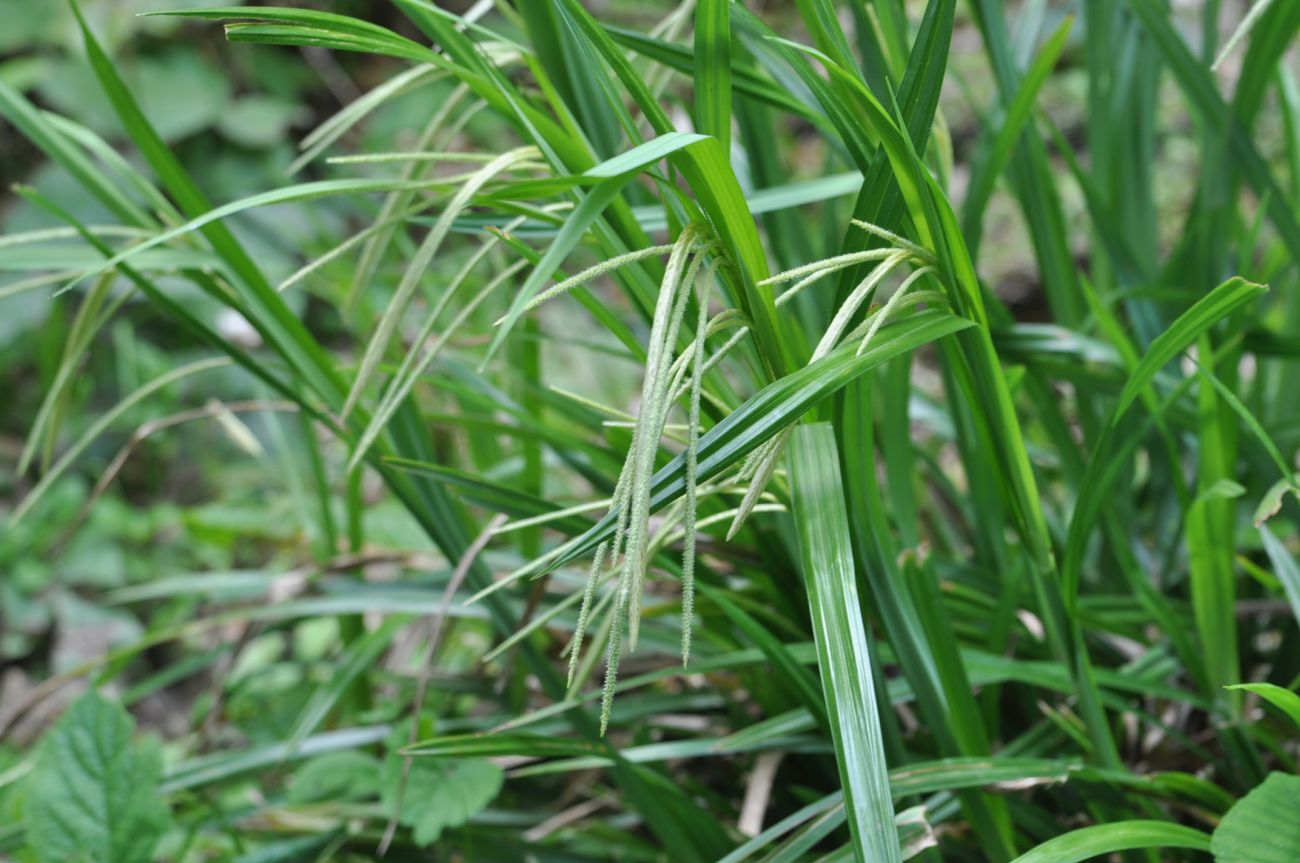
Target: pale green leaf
x,y
94,793
841,638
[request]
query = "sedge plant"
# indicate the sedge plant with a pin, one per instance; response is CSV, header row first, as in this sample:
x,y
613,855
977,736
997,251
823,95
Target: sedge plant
x,y
758,523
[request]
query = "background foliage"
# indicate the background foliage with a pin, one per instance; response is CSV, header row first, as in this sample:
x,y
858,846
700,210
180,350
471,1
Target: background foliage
x,y
586,431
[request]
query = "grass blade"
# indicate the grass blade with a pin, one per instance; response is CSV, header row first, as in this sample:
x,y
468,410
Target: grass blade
x,y
96,428
842,642
1285,567
1090,842
1283,699
713,70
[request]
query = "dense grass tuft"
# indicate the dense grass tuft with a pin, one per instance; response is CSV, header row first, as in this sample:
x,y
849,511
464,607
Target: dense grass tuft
x,y
755,516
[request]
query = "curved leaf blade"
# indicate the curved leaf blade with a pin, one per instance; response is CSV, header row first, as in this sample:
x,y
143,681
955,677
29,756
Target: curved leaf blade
x,y
1090,842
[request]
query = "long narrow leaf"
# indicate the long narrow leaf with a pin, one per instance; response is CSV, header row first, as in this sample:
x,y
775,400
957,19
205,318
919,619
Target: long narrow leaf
x,y
842,642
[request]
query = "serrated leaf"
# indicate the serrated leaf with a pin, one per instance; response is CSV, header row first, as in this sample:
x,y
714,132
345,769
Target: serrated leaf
x,y
93,795
1262,827
440,793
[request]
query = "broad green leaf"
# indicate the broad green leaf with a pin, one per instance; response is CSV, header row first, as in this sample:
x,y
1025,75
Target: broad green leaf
x,y
336,776
440,793
841,638
93,795
259,122
1262,827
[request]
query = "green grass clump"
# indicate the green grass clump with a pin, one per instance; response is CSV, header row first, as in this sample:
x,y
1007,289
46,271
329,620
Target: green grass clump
x,y
748,515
